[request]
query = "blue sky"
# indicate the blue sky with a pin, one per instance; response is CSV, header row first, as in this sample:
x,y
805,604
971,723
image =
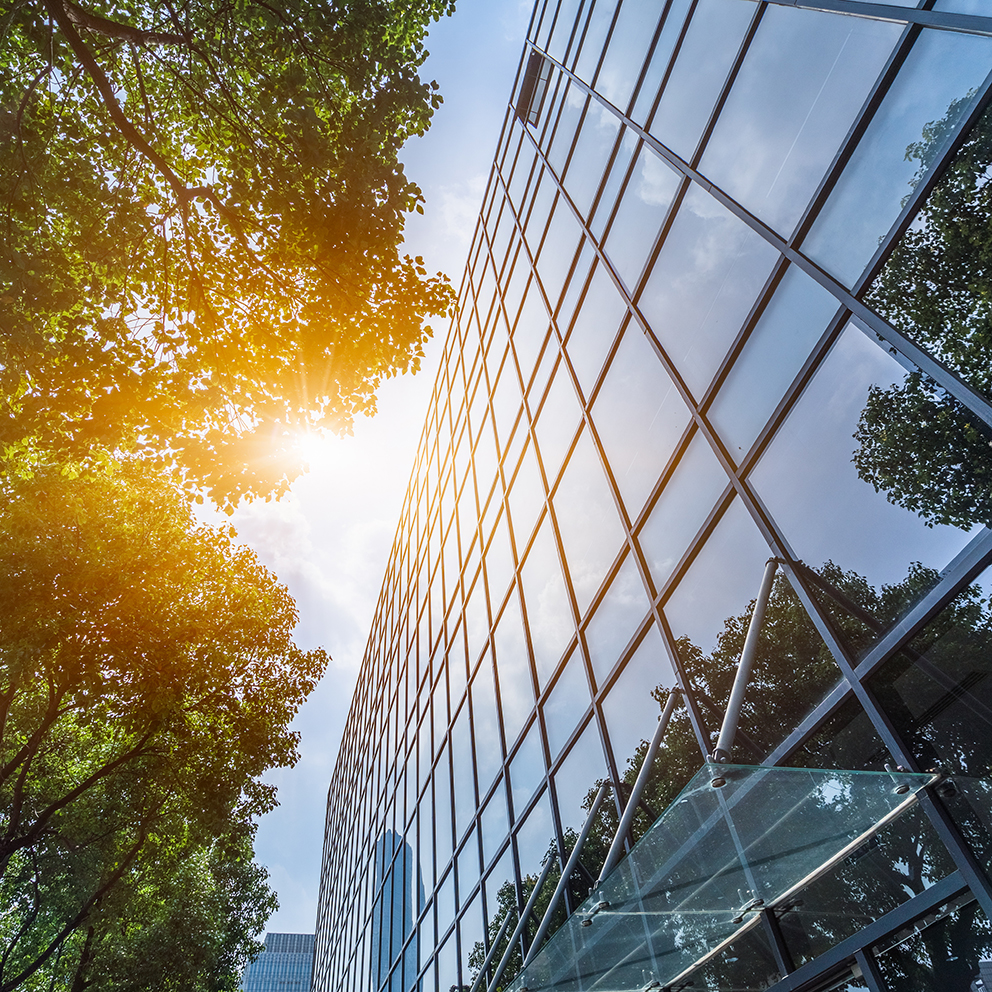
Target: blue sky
x,y
329,540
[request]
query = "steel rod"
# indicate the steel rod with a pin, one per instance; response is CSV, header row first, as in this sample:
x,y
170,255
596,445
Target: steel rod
x,y
725,742
616,848
481,977
521,923
573,859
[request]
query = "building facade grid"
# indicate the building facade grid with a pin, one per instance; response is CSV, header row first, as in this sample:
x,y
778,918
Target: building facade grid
x,y
674,326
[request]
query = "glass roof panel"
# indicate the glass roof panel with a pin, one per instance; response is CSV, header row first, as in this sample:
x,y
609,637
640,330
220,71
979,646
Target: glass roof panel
x,y
738,839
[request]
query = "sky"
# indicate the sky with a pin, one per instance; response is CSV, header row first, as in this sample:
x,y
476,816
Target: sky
x,y
329,539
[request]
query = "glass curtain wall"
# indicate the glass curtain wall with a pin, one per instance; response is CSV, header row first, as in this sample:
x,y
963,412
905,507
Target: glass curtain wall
x,y
728,299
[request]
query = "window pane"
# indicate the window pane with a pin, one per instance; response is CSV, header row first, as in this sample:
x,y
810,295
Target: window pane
x,y
526,498
516,690
684,504
632,34
566,705
559,420
640,417
495,823
527,769
488,754
942,68
659,60
616,619
590,529
937,283
804,79
630,709
835,480
710,613
703,285
707,53
595,328
649,193
792,323
578,774
592,152
549,615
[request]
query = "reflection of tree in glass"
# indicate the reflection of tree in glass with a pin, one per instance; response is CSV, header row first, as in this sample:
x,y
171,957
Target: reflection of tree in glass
x,y
917,444
793,671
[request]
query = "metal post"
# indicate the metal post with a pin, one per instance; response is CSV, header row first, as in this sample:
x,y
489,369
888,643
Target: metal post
x,y
481,977
573,859
725,742
521,923
616,848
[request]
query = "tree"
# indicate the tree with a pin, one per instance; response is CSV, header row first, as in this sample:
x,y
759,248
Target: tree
x,y
147,680
201,206
916,443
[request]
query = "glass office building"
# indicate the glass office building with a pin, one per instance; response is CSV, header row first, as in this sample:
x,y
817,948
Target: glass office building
x,y
729,300
285,964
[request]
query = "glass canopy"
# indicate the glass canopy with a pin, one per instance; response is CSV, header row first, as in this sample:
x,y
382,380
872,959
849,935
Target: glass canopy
x,y
737,840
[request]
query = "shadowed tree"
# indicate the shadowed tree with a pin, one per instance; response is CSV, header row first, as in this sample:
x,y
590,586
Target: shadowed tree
x,y
147,680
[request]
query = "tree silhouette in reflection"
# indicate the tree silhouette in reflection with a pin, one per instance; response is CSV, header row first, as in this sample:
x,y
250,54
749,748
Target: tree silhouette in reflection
x,y
792,673
919,445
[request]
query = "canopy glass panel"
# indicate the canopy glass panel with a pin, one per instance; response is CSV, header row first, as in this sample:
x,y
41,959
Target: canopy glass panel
x,y
737,840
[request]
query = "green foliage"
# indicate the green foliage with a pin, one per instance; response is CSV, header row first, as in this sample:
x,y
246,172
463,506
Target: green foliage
x,y
916,443
148,680
201,209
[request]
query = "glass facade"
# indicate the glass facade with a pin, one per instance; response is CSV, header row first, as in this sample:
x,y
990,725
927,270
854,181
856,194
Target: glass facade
x,y
727,300
285,964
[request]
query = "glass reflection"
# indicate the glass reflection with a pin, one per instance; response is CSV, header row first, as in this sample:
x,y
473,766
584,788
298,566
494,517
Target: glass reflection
x,y
709,614
616,619
527,769
495,823
803,81
649,193
835,480
582,768
639,416
526,497
936,285
590,529
942,68
516,692
592,151
792,323
945,957
703,285
707,53
632,707
566,705
629,42
549,614
689,496
674,18
488,753
558,422
594,329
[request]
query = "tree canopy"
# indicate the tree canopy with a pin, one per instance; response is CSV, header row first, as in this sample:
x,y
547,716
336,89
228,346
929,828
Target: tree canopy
x,y
147,680
201,209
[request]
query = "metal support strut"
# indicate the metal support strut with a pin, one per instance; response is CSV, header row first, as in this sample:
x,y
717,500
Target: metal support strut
x,y
519,929
616,848
725,742
573,859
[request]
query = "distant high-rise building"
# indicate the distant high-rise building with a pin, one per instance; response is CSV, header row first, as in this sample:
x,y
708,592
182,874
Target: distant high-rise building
x,y
285,965
725,326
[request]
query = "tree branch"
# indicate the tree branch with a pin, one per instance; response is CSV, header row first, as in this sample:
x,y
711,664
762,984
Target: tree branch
x,y
117,30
